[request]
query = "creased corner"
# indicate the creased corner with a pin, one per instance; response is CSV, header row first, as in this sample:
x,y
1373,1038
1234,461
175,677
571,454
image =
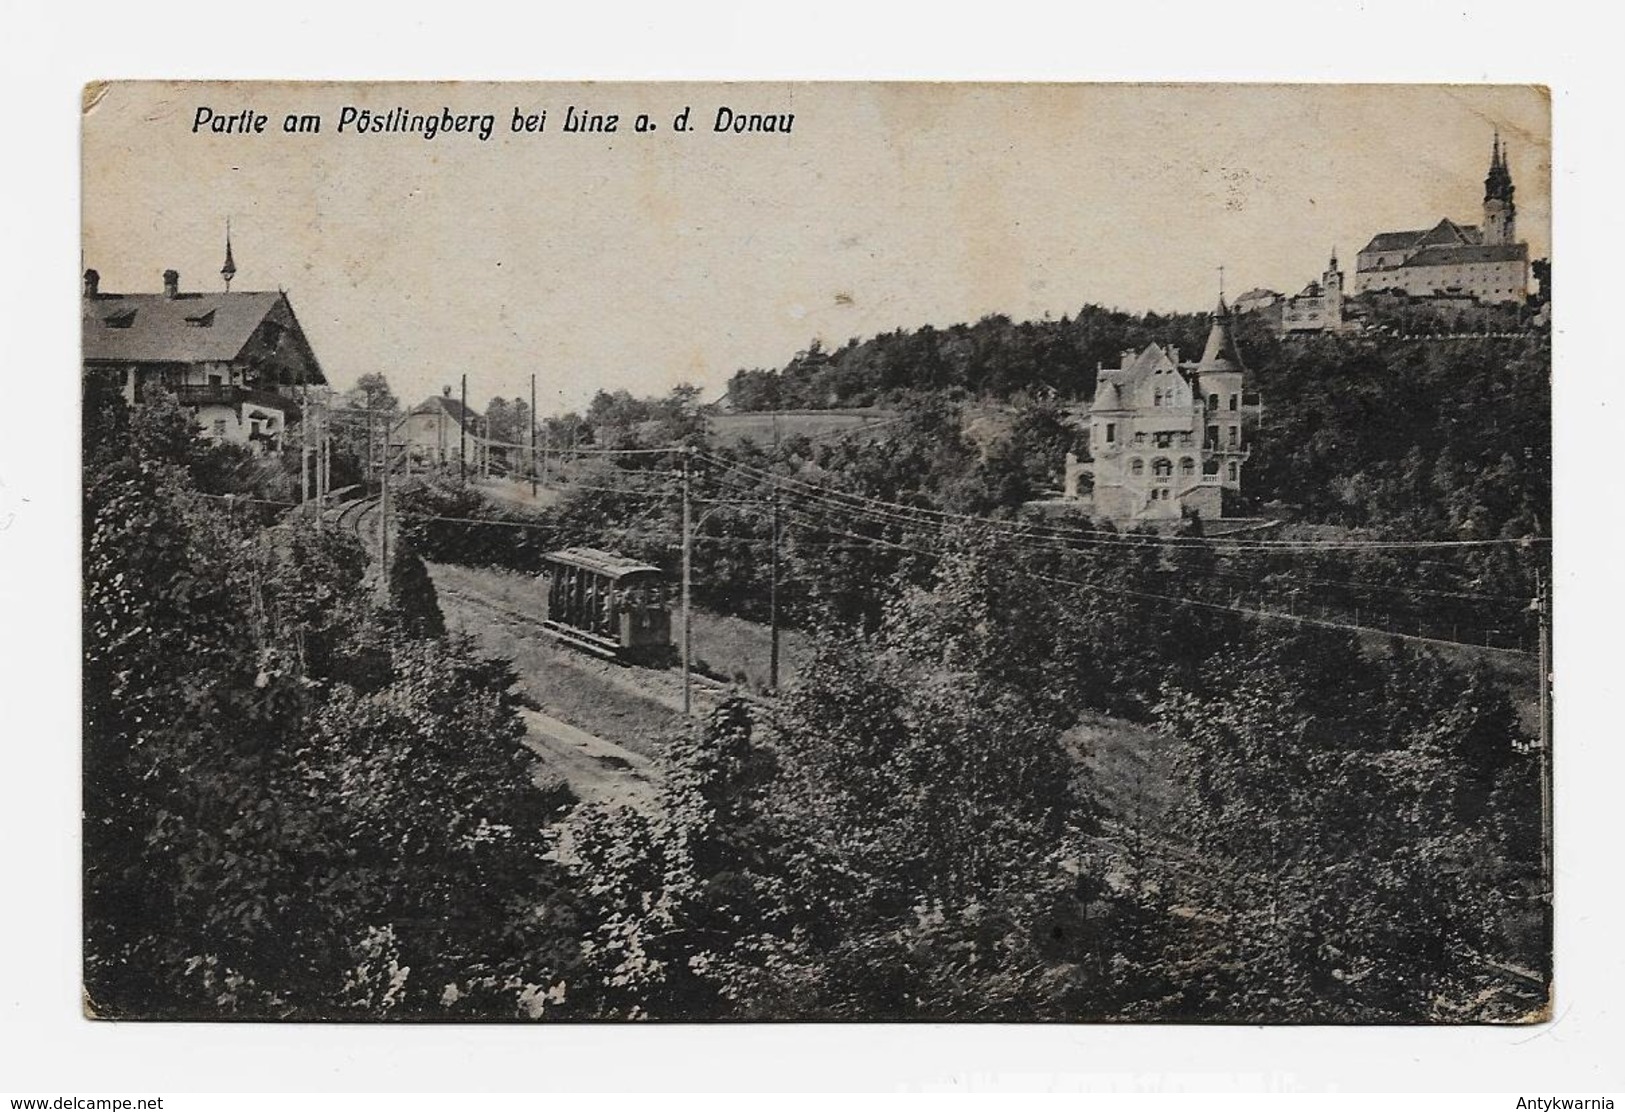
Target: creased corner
x,y
92,95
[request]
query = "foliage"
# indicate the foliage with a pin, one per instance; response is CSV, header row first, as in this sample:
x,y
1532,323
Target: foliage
x,y
290,809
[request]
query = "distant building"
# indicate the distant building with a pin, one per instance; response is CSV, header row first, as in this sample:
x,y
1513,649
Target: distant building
x,y
436,432
1319,308
1165,435
1487,262
239,361
1256,301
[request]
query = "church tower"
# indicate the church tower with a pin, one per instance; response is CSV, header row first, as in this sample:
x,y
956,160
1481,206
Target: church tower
x,y
1332,287
1500,214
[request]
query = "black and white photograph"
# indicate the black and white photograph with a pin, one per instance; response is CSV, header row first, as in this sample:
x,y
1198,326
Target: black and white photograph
x,y
969,553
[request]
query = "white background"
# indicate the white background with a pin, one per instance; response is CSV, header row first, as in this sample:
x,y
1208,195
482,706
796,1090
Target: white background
x,y
49,51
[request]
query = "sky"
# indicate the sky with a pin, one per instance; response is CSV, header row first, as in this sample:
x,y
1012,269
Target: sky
x,y
640,260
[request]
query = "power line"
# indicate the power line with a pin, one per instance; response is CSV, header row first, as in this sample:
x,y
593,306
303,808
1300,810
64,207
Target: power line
x,y
1109,537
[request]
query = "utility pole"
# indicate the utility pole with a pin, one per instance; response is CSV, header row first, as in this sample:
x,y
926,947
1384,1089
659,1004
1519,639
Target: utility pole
x,y
1543,605
325,475
462,435
305,416
688,544
383,518
773,583
533,437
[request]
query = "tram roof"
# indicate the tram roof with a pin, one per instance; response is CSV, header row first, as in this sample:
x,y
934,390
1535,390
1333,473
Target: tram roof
x,y
603,563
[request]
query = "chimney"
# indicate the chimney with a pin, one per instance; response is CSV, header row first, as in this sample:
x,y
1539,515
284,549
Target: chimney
x,y
445,391
172,284
93,282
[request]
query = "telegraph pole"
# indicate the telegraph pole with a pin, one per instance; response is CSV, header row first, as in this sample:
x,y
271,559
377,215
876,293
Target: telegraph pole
x,y
462,436
1543,604
533,437
688,545
324,485
305,416
383,517
773,583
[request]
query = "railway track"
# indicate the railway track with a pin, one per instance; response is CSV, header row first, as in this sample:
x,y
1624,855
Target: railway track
x,y
716,689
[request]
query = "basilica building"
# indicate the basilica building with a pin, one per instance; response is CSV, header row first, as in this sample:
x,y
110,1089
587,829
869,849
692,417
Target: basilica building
x,y
1487,261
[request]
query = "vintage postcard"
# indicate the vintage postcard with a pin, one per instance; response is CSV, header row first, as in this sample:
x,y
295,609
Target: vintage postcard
x,y
848,552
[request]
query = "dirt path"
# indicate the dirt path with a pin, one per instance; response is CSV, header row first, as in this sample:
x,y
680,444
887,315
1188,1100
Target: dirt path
x,y
598,771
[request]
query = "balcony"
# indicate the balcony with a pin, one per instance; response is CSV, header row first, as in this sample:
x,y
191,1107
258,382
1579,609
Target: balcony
x,y
219,394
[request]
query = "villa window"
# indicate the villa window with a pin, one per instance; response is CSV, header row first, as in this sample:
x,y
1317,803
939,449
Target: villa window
x,y
1235,436
1187,466
1111,432
1235,400
1137,467
1213,401
1234,474
1162,467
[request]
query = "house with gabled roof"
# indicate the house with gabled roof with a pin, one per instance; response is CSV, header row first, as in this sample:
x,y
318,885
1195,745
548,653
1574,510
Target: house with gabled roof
x,y
1486,261
438,431
238,360
1166,435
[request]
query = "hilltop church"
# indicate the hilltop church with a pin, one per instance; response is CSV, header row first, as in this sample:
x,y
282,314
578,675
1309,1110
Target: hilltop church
x,y
1487,261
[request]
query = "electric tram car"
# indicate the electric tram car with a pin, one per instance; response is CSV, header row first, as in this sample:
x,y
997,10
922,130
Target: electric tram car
x,y
607,604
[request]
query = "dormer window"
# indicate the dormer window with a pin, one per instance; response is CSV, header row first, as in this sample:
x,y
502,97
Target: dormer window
x,y
202,320
121,319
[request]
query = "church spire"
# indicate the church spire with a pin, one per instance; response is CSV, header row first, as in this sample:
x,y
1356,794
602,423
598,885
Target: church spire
x,y
229,270
1500,211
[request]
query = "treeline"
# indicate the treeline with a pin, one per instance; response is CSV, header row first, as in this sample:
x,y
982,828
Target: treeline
x,y
1440,440
1436,439
993,358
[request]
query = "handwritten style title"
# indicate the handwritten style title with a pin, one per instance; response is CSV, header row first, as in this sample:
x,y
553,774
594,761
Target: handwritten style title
x,y
351,120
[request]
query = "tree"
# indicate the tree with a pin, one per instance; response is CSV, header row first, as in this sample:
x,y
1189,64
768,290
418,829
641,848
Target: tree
x,y
288,811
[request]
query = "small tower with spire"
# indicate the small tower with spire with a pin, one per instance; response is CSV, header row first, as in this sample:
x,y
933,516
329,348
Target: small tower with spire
x,y
1500,213
229,270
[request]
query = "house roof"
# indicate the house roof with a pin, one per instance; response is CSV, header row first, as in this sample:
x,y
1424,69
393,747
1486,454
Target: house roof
x,y
1469,253
188,328
1220,353
1447,233
1394,241
1258,294
451,407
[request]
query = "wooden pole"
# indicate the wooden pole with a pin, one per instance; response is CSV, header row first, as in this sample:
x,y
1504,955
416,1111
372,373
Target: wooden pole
x,y
688,545
533,437
383,519
1544,602
773,585
462,436
304,447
